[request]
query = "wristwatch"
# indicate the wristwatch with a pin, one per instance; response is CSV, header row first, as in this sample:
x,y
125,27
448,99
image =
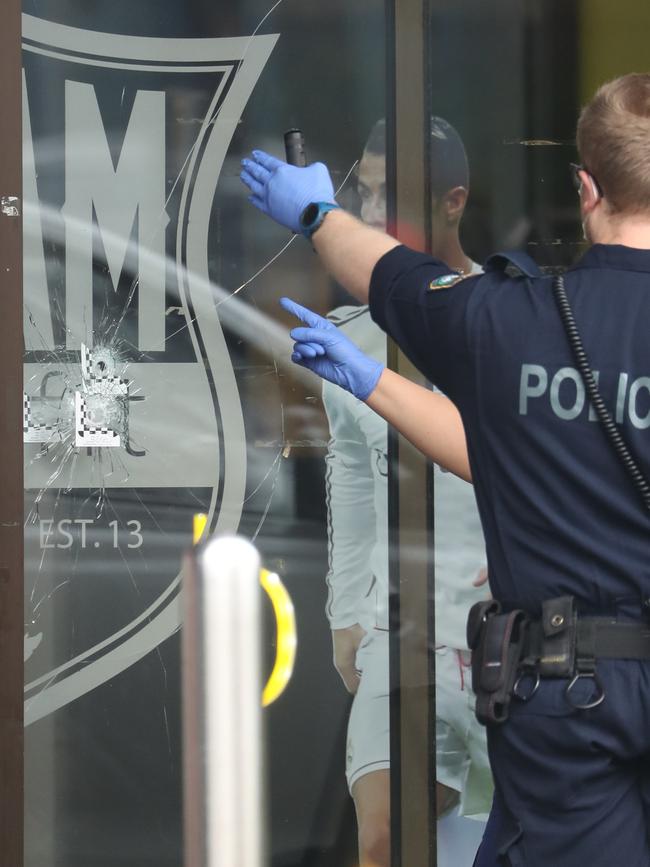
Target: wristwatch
x,y
313,215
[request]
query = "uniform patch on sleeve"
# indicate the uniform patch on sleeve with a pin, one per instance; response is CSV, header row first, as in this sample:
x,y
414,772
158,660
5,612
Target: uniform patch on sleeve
x,y
445,281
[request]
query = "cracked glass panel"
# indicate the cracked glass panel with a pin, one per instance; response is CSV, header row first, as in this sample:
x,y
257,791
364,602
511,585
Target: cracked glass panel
x,y
158,385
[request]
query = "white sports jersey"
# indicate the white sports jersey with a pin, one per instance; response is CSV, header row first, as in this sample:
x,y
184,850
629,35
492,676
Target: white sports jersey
x,y
356,487
357,499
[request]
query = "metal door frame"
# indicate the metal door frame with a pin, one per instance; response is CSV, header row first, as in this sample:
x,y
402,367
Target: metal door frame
x,y
410,480
11,453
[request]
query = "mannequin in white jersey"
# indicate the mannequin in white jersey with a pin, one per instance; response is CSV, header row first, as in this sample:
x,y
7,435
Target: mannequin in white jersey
x,y
357,499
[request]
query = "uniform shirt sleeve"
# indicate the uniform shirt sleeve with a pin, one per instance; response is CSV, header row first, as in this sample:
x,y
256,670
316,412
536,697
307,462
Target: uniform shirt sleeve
x,y
427,321
350,511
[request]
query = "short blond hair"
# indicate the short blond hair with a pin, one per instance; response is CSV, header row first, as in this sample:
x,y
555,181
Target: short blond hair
x,y
613,140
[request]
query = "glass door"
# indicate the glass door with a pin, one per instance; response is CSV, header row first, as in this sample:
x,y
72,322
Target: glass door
x,y
158,385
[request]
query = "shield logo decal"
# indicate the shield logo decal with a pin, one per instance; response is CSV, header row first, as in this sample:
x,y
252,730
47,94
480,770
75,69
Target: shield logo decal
x,y
132,416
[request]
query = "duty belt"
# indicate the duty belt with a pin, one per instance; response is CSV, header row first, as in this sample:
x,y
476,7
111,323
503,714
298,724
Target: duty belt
x,y
511,652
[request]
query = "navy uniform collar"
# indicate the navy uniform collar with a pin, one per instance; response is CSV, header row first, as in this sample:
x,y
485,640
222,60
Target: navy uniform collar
x,y
615,256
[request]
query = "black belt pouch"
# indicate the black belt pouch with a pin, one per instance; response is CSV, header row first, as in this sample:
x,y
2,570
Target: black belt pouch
x,y
559,637
496,641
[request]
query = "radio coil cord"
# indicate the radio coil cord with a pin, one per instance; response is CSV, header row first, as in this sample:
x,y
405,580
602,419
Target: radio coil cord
x,y
612,432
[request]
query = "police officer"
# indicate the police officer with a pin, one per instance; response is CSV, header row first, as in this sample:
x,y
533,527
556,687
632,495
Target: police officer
x,y
566,531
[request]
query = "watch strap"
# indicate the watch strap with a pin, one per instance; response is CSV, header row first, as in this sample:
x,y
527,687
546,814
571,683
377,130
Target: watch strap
x,y
313,215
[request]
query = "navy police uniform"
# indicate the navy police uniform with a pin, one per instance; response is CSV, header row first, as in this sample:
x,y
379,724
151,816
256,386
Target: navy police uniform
x,y
560,517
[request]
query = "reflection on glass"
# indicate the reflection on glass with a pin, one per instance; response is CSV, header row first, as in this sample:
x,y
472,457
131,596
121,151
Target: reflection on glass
x,y
357,499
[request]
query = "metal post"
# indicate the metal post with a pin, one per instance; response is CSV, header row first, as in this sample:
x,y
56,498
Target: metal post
x,y
222,712
412,661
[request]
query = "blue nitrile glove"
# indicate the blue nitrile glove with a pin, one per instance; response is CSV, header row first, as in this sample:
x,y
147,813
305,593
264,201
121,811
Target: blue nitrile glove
x,y
283,191
322,348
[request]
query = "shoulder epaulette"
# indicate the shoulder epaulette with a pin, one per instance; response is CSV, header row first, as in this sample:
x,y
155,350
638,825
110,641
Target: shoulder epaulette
x,y
514,264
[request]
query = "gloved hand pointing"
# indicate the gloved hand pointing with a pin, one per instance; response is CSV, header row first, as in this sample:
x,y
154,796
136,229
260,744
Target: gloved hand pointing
x,y
323,349
283,191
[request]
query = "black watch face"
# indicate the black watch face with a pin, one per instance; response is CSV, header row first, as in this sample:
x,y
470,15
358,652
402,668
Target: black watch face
x,y
309,215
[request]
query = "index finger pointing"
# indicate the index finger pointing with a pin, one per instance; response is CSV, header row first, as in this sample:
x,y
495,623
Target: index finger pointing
x,y
303,313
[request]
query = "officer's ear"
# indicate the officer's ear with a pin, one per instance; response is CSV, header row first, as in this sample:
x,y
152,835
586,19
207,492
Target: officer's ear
x,y
590,195
453,204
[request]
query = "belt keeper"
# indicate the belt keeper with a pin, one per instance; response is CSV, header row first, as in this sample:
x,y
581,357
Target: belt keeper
x,y
585,667
586,646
